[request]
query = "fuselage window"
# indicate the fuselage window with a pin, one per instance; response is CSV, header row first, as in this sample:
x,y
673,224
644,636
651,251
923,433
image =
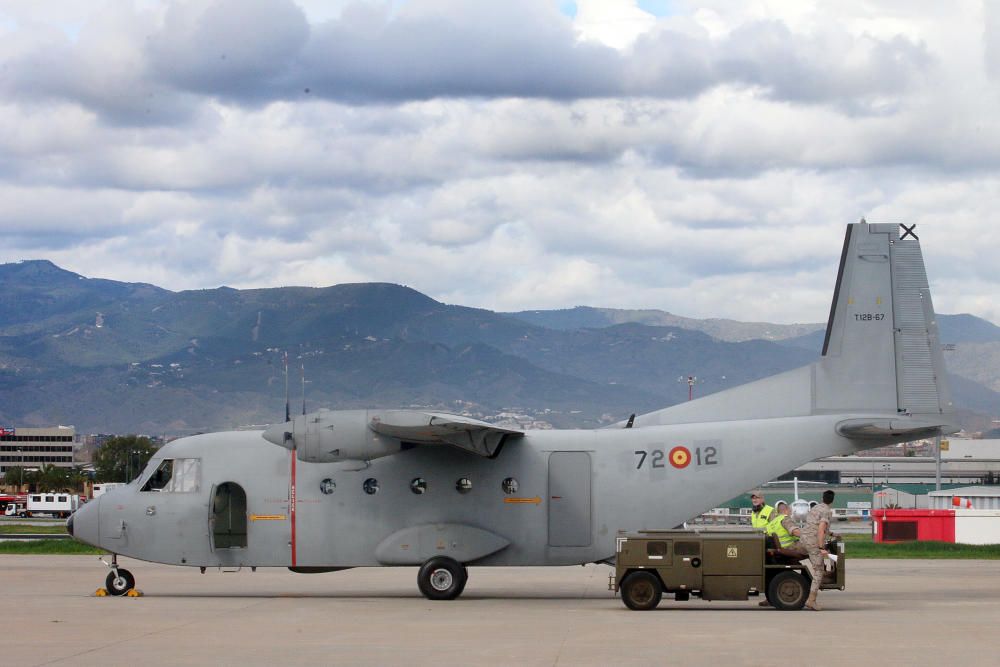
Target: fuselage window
x,y
463,485
327,486
370,486
418,485
175,476
509,485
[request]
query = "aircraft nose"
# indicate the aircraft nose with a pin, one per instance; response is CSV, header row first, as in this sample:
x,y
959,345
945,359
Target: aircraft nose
x,y
83,523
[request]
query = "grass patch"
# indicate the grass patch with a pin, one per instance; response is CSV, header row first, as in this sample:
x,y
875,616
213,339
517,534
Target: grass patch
x,y
23,529
49,547
861,546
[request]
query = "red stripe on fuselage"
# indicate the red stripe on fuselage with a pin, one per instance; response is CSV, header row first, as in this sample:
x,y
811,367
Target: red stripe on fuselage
x,y
291,506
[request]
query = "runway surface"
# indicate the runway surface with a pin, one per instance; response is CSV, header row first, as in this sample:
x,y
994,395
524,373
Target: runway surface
x,y
909,612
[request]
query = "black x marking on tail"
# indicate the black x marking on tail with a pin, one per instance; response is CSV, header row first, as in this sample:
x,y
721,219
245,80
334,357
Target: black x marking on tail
x,y
908,231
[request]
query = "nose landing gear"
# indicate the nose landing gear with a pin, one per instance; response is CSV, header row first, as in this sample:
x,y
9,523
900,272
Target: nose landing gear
x,y
120,581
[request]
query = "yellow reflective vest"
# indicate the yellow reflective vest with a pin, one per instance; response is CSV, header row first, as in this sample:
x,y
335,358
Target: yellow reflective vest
x,y
775,527
762,518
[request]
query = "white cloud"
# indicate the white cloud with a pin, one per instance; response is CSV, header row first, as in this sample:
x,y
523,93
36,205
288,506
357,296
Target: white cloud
x,y
502,154
616,23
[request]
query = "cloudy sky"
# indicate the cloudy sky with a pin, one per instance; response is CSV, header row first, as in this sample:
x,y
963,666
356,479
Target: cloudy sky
x,y
699,157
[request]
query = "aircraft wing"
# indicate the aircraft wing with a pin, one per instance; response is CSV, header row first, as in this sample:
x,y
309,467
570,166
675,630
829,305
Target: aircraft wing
x,y
472,435
880,427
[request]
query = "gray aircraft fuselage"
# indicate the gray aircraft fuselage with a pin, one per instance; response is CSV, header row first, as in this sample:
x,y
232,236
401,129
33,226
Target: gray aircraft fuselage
x,y
602,490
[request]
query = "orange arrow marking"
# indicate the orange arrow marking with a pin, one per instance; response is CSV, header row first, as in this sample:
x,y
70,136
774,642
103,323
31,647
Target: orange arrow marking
x,y
519,501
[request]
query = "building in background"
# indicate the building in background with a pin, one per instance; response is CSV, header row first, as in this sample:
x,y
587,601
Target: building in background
x,y
34,447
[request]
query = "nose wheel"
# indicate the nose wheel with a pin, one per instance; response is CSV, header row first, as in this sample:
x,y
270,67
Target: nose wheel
x,y
119,581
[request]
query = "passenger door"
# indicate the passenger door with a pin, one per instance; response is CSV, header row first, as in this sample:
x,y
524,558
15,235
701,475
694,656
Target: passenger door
x,y
569,499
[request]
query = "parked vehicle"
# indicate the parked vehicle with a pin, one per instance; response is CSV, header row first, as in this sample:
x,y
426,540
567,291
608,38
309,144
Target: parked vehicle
x,y
16,509
713,565
59,505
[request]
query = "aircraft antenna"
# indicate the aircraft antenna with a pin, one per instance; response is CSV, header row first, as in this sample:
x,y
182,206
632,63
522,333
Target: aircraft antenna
x,y
288,415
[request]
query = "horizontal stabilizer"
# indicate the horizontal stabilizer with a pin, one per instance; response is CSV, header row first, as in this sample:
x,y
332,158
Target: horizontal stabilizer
x,y
882,427
472,435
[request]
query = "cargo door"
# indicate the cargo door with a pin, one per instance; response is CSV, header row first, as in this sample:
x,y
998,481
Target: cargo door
x,y
569,499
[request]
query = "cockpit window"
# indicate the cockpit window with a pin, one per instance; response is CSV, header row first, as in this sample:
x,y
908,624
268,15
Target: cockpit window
x,y
175,476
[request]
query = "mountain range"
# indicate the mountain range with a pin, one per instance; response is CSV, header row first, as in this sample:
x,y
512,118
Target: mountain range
x,y
109,356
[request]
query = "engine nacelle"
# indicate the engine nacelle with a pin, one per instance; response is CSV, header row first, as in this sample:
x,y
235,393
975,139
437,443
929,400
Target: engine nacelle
x,y
328,436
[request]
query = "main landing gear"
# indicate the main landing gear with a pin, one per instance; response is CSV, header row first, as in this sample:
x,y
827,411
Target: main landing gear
x,y
120,581
442,578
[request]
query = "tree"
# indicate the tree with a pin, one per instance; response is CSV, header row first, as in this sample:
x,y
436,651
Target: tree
x,y
16,475
121,458
55,478
52,478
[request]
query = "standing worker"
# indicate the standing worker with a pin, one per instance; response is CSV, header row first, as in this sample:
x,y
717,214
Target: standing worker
x,y
761,513
813,539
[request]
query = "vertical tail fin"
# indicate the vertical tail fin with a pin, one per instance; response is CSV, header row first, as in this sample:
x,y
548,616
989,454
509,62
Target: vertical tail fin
x,y
882,350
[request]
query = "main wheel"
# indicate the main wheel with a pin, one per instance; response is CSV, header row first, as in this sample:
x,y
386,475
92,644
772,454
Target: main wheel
x,y
788,591
641,591
442,578
121,584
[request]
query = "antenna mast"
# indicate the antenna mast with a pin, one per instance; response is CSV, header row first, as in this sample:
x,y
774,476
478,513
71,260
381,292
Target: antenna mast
x,y
288,415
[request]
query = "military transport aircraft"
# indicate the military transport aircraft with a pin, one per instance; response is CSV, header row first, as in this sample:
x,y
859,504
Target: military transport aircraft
x,y
337,489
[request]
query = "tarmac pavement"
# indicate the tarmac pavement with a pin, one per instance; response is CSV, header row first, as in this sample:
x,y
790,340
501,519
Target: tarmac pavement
x,y
912,612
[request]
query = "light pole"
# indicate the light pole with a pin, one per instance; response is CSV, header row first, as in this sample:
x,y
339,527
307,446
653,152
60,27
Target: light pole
x,y
20,469
691,380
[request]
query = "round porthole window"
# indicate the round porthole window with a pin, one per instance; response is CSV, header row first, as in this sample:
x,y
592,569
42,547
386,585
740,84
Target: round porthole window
x,y
463,485
418,485
327,486
370,486
509,485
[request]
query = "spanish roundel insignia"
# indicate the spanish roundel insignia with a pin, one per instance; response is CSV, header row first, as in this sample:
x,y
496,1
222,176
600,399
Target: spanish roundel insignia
x,y
680,457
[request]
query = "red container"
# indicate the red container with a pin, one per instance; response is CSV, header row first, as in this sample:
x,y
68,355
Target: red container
x,y
913,525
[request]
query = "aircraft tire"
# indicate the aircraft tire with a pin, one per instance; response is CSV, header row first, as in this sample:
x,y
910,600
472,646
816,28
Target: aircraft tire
x,y
641,591
442,578
788,591
121,584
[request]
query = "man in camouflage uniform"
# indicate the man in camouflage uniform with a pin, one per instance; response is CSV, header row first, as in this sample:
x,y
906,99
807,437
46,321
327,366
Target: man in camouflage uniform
x,y
812,537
